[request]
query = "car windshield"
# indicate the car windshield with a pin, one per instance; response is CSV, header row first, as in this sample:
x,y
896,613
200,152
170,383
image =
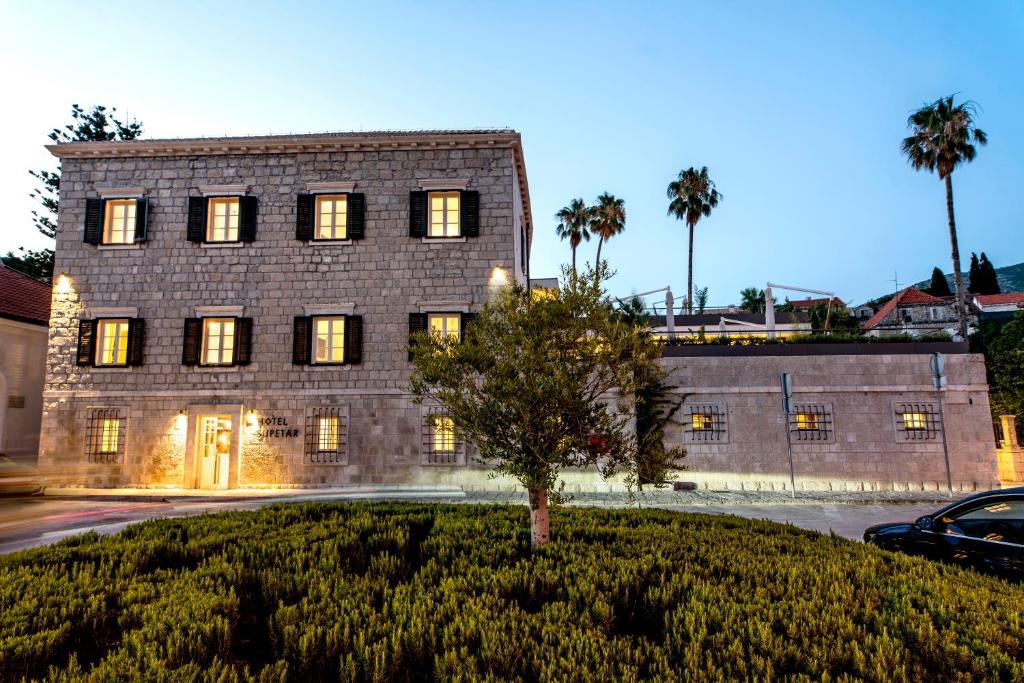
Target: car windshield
x,y
1000,519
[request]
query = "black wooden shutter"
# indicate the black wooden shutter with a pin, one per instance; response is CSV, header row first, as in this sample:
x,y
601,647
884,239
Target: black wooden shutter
x,y
93,221
248,208
193,340
417,214
354,339
466,319
304,218
417,323
136,340
86,342
196,219
302,342
469,213
141,219
356,204
243,341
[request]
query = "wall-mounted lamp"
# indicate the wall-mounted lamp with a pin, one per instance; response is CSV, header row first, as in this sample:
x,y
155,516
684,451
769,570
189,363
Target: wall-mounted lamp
x,y
63,285
251,417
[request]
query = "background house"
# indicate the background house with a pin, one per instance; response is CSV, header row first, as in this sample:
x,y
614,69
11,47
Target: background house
x,y
915,313
999,307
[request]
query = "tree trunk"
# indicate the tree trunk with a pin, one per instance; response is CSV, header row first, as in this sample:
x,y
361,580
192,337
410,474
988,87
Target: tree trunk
x,y
958,280
574,260
539,523
689,275
597,261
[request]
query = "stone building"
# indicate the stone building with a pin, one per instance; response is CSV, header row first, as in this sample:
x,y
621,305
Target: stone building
x,y
235,312
916,313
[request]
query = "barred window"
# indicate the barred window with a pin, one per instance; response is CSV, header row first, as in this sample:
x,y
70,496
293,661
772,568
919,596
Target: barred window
x,y
327,436
441,445
705,423
811,422
917,421
105,438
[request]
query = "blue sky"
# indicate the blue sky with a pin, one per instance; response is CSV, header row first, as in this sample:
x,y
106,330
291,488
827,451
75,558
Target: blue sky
x,y
797,109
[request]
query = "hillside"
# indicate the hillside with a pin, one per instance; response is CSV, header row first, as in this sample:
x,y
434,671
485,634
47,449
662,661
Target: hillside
x,y
1011,279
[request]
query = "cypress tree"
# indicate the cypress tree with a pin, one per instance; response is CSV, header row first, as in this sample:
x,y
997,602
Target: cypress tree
x,y
974,275
939,285
989,281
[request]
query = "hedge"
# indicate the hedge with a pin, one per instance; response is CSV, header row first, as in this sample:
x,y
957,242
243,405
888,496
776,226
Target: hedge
x,y
400,592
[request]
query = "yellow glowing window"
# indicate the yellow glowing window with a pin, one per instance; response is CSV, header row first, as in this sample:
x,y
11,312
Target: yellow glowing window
x,y
327,433
444,214
446,324
222,220
806,421
218,341
702,422
119,221
110,435
915,421
331,217
330,340
112,342
444,434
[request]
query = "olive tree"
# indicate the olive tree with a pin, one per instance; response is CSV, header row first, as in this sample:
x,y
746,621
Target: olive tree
x,y
540,384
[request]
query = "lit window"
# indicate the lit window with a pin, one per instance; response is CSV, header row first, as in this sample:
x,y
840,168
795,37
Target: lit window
x,y
445,324
331,217
222,220
110,435
330,340
806,421
915,421
444,435
444,214
119,221
702,422
327,433
218,341
105,440
112,344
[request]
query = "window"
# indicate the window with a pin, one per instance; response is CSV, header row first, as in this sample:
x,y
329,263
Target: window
x,y
444,214
996,520
105,438
218,341
811,422
112,342
327,436
329,340
222,219
706,423
440,443
119,221
446,324
917,421
332,217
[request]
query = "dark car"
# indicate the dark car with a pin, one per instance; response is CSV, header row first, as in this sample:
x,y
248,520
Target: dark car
x,y
984,531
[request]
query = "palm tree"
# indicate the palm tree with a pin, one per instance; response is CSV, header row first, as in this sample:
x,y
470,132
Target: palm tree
x,y
692,196
941,139
608,218
752,299
573,223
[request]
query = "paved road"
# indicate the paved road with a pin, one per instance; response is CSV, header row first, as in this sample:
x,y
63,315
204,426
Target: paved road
x,y
30,522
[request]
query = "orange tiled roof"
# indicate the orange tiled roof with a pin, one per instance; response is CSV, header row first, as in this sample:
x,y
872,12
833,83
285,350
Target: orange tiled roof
x,y
807,303
23,298
907,297
996,299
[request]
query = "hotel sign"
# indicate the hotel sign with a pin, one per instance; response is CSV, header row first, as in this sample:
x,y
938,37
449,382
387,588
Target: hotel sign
x,y
275,427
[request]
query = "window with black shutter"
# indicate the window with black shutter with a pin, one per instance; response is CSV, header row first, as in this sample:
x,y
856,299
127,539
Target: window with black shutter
x,y
417,214
328,340
469,213
302,339
86,342
196,219
467,318
417,324
141,219
222,219
136,340
243,340
192,341
353,339
248,209
356,215
304,218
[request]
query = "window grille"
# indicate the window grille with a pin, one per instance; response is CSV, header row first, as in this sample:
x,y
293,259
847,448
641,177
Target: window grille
x,y
327,436
705,423
441,444
917,421
106,435
811,422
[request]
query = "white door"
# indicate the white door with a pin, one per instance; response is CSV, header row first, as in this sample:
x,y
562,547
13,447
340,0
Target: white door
x,y
214,451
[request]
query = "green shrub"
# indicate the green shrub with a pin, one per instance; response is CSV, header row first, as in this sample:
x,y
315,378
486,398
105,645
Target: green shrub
x,y
417,593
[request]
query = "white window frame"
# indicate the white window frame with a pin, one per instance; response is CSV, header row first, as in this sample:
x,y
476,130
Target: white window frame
x,y
442,231
205,350
117,349
330,340
337,233
230,234
445,317
128,221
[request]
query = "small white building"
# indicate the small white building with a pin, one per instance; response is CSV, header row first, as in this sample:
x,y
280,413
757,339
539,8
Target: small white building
x,y
998,306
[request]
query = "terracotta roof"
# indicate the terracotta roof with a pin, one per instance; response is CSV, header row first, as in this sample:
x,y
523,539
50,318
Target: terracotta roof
x,y
908,297
807,303
23,298
996,299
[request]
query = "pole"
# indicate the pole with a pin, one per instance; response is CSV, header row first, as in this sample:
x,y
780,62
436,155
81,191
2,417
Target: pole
x,y
787,410
938,365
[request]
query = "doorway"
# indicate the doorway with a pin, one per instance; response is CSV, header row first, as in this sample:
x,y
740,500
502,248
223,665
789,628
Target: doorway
x,y
213,450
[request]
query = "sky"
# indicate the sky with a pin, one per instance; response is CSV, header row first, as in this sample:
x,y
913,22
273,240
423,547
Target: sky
x,y
796,108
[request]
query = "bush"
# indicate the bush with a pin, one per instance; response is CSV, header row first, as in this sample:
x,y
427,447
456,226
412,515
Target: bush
x,y
417,593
